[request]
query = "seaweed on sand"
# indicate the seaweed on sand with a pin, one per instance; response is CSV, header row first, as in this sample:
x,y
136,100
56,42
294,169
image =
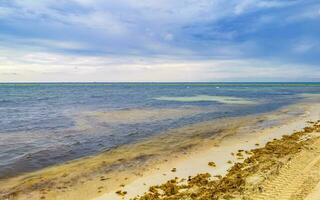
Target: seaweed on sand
x,y
212,164
263,161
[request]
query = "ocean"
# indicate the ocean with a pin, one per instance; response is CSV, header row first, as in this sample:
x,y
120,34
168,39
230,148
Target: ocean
x,y
44,124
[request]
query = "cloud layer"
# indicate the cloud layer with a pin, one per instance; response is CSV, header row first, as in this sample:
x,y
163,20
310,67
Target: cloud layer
x,y
187,40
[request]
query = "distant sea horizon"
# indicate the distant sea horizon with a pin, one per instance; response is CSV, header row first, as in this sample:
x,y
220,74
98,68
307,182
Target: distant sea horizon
x,y
170,82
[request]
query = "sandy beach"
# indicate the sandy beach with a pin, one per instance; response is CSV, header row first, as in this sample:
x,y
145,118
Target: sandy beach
x,y
223,157
286,168
200,156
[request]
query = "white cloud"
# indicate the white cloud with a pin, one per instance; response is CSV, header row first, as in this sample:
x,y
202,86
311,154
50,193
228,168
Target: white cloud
x,y
128,16
144,40
251,5
305,45
127,26
309,13
57,67
5,12
168,37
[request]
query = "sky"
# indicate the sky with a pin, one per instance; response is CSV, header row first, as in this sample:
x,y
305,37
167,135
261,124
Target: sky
x,y
159,40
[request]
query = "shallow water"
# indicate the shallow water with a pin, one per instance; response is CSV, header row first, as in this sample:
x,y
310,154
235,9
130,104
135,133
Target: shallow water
x,y
207,98
46,124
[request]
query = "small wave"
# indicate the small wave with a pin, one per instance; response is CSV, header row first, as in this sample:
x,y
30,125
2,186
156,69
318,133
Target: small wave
x,y
5,101
203,98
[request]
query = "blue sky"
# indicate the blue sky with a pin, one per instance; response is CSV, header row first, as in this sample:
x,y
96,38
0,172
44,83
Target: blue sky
x,y
164,40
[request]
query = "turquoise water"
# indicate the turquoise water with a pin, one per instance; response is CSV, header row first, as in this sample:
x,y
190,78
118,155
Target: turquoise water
x,y
49,123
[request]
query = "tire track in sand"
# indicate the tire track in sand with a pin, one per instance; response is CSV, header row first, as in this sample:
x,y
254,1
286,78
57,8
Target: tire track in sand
x,y
296,179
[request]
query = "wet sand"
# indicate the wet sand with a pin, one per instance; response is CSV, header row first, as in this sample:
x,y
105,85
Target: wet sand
x,y
286,168
129,171
232,149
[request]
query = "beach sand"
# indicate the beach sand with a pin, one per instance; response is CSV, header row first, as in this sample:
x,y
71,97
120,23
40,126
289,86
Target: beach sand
x,y
130,171
286,168
221,155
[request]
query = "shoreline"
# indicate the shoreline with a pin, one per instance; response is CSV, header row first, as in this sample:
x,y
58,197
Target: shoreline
x,y
220,155
147,172
285,168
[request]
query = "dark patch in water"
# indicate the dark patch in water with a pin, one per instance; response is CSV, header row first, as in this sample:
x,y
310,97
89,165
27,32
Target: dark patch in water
x,y
38,128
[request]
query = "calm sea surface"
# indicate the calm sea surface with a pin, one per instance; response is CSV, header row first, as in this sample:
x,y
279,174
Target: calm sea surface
x,y
46,124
